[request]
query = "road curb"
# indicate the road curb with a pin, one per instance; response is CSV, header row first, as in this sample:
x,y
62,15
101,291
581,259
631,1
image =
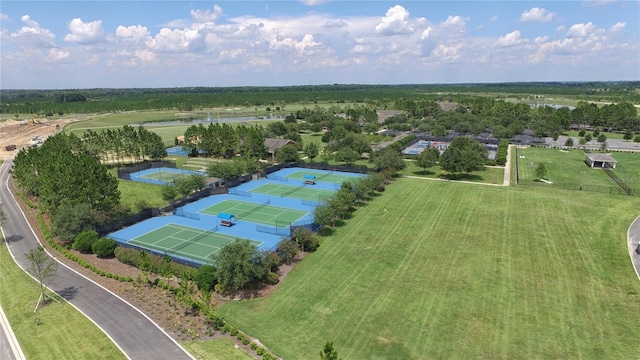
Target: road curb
x,y
633,240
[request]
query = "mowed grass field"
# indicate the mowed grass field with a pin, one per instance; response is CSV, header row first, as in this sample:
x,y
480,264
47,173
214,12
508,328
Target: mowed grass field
x,y
64,332
433,269
562,166
490,175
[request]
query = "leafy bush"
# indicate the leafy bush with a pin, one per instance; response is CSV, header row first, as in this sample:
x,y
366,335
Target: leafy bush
x,y
104,247
156,264
206,277
85,240
127,256
271,278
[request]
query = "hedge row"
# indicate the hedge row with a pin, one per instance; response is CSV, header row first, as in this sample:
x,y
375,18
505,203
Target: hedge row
x,y
156,264
85,264
501,157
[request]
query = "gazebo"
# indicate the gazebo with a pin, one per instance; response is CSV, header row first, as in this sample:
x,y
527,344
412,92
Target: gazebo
x,y
226,219
601,161
309,179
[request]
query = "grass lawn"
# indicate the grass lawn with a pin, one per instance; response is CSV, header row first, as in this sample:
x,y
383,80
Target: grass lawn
x,y
488,175
132,192
64,332
609,135
433,269
562,167
628,168
218,349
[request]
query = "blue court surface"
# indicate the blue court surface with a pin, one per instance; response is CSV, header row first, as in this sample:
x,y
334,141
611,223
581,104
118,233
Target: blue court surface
x,y
268,236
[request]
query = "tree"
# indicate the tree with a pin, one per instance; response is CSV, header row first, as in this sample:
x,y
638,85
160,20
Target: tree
x,y
428,158
104,247
69,221
206,277
324,215
85,240
464,155
168,192
569,142
43,268
388,159
541,170
602,138
238,264
347,156
311,150
603,145
328,352
306,240
224,170
288,250
287,154
588,138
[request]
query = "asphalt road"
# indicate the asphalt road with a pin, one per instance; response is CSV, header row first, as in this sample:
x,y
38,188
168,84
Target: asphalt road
x,y
137,336
633,235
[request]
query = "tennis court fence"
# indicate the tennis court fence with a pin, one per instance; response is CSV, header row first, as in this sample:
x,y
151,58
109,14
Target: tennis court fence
x,y
309,224
235,191
575,186
189,215
277,178
274,230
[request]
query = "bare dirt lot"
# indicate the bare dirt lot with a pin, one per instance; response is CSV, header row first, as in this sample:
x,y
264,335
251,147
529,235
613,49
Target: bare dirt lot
x,y
22,133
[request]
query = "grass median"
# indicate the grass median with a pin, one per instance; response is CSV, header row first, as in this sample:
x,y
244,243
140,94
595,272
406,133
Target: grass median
x,y
63,333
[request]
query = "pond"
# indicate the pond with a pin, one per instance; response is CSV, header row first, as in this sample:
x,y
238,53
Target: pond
x,y
208,120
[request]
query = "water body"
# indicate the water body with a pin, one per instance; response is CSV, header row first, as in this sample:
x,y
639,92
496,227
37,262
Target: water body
x,y
555,106
208,120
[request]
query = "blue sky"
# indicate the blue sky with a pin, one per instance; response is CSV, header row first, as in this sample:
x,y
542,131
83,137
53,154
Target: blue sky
x,y
92,44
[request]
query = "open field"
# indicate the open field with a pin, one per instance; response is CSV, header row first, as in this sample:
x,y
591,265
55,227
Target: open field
x,y
64,332
218,349
433,269
562,167
628,168
489,175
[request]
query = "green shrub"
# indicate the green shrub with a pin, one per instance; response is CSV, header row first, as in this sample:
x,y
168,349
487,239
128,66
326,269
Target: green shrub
x,y
271,278
104,247
206,277
128,256
85,240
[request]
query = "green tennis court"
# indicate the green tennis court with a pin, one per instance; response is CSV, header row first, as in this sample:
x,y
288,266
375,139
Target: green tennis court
x,y
323,176
184,241
257,213
297,192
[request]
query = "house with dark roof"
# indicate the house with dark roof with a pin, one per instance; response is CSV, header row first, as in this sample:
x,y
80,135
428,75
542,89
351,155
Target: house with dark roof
x,y
273,145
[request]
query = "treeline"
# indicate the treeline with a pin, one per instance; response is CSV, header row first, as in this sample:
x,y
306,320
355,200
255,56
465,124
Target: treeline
x,y
193,98
225,141
116,146
73,187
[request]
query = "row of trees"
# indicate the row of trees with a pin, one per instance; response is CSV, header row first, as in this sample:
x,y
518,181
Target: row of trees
x,y
60,175
116,146
224,140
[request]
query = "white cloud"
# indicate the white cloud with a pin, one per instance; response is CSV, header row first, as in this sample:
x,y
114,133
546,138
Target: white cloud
x,y
395,21
597,2
334,23
314,2
85,33
57,54
536,15
32,35
201,16
176,40
134,32
580,30
449,52
4,18
618,26
511,39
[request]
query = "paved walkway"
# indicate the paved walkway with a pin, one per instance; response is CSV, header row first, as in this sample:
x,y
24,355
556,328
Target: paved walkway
x,y
633,240
133,332
9,347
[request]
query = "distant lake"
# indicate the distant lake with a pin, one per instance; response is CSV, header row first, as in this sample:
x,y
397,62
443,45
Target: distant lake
x,y
207,120
555,106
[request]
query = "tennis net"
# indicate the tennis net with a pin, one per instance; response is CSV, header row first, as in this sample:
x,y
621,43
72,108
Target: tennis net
x,y
254,209
289,192
193,240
